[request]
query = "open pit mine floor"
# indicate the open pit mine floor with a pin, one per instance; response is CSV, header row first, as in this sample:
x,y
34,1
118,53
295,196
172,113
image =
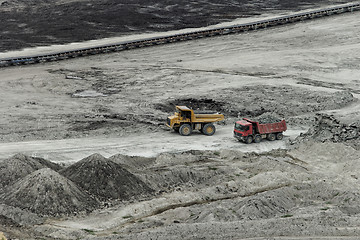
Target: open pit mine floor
x,y
85,153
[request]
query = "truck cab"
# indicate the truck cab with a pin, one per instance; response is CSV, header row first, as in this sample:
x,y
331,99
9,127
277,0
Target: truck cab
x,y
243,128
182,114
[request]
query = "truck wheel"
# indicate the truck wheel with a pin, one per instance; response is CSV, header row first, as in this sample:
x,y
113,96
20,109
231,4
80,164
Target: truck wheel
x,y
279,136
208,129
257,139
271,137
249,139
185,130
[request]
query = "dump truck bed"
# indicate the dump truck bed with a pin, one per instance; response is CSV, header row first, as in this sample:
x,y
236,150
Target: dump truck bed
x,y
208,117
269,127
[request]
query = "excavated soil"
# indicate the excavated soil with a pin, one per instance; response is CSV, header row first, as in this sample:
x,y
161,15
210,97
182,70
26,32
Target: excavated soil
x,y
328,128
29,184
106,179
18,166
284,101
268,118
47,193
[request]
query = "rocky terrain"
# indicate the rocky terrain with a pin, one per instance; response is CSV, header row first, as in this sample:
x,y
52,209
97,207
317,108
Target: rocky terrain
x,y
85,153
328,128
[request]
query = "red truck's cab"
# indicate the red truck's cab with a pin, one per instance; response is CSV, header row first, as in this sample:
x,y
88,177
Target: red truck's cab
x,y
243,128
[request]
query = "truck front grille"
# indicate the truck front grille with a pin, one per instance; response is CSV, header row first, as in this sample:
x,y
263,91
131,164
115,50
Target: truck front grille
x,y
168,121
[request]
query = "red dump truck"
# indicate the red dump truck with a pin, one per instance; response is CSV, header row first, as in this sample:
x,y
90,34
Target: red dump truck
x,y
250,131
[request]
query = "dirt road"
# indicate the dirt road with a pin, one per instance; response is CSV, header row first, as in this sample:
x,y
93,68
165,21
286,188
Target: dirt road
x,y
147,145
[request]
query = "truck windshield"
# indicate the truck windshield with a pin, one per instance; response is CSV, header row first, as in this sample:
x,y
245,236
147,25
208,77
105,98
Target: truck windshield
x,y
241,128
185,114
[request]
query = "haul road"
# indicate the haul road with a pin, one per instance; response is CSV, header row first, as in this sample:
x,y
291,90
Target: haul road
x,y
125,45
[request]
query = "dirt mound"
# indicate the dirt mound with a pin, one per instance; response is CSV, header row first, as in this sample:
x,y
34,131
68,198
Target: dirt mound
x,y
133,163
105,179
16,216
285,101
19,165
328,128
203,104
264,100
5,221
47,193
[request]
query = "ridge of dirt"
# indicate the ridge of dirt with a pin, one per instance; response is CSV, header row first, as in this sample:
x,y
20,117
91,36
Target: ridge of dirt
x,y
133,163
19,217
20,165
47,193
329,128
106,179
305,199
290,101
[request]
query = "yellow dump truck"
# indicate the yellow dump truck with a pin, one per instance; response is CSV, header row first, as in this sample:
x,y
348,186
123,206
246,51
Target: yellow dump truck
x,y
185,120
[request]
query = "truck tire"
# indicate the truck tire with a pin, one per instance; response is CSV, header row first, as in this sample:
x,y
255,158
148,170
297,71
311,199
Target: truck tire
x,y
249,140
208,129
271,137
185,129
257,138
279,136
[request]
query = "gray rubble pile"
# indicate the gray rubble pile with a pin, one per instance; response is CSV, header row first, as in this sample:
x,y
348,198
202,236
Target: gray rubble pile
x,y
328,128
267,118
47,193
37,187
105,179
20,165
16,216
